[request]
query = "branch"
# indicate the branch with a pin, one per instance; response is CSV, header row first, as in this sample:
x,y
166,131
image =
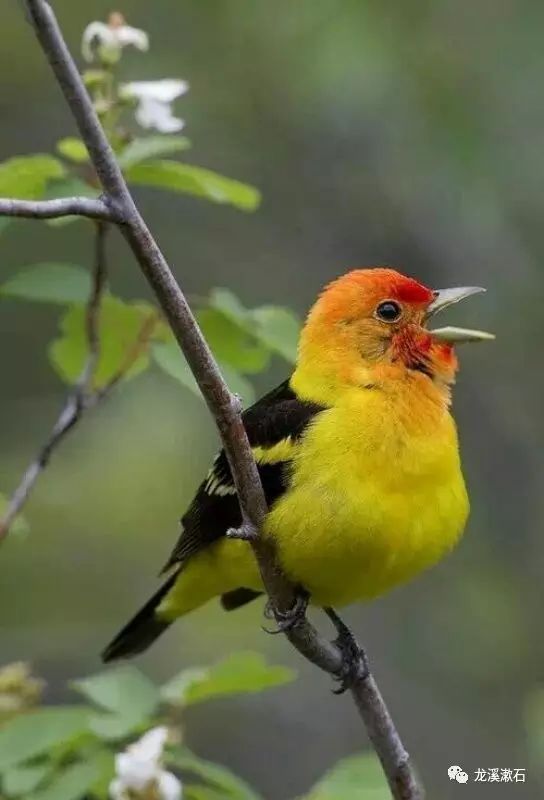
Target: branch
x,y
224,406
82,397
92,311
63,207
137,348
78,399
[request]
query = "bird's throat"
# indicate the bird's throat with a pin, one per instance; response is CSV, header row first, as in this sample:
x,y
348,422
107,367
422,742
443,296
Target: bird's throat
x,y
415,348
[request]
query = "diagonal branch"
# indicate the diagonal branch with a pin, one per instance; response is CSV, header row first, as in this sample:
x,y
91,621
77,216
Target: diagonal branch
x,y
224,406
62,207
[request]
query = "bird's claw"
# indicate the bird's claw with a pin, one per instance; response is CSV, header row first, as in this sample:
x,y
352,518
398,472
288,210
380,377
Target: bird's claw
x,y
245,532
354,664
354,660
287,620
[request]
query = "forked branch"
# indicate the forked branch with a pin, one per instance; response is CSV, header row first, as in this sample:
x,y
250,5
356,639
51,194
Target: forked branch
x,y
83,395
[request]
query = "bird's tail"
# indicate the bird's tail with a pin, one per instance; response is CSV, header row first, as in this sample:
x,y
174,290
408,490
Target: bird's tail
x,y
142,630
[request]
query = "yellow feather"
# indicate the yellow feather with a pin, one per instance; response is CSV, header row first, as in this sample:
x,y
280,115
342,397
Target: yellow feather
x,y
375,492
377,496
281,451
387,501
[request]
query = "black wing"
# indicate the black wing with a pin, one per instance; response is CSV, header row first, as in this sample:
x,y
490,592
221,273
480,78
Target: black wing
x,y
277,416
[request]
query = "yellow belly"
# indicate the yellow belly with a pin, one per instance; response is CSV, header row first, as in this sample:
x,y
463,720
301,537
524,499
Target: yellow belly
x,y
377,496
387,502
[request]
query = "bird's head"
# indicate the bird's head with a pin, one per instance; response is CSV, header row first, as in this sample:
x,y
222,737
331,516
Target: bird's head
x,y
371,325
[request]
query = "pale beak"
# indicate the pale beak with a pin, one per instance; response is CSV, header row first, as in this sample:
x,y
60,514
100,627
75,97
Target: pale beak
x,y
445,298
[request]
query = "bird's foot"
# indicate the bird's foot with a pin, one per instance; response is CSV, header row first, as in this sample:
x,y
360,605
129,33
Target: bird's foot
x,y
246,532
286,620
354,661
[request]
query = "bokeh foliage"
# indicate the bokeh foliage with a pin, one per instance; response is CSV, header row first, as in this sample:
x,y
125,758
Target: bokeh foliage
x,y
67,753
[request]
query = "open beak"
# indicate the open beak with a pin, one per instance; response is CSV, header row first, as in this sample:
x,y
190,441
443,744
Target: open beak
x,y
445,298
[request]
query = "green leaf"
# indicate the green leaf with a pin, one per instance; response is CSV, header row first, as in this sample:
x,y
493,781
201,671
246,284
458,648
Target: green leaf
x,y
237,383
275,327
184,178
104,759
233,340
231,344
226,301
238,673
192,791
177,689
25,778
73,149
19,526
230,786
95,77
49,283
146,147
120,326
168,357
26,177
357,777
73,783
126,693
112,727
279,329
70,187
36,732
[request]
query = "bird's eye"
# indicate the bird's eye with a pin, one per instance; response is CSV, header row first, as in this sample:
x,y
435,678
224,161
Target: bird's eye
x,y
389,311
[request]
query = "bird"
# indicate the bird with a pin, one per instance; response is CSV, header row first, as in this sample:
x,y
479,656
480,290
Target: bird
x,y
358,456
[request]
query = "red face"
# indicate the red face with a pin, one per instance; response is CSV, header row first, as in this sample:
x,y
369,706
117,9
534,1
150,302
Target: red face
x,y
381,315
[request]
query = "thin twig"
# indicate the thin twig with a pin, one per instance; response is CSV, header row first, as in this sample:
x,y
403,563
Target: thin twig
x,y
76,402
224,406
82,397
62,426
62,207
136,349
92,310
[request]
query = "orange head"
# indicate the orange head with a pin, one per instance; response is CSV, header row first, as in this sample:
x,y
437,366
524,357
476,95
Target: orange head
x,y
370,325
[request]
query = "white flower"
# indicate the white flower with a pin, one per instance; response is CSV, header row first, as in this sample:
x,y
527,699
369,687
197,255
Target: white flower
x,y
138,770
168,786
155,98
112,37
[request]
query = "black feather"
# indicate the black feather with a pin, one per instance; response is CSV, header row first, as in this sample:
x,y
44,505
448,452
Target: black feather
x,y
276,416
238,597
142,630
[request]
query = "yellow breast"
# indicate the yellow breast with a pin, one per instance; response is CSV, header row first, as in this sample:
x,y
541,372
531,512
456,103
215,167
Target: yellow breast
x,y
377,496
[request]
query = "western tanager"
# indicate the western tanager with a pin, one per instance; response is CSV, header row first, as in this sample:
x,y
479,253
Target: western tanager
x,y
358,456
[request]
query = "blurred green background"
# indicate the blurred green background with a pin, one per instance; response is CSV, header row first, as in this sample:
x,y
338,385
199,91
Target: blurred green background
x,y
379,133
